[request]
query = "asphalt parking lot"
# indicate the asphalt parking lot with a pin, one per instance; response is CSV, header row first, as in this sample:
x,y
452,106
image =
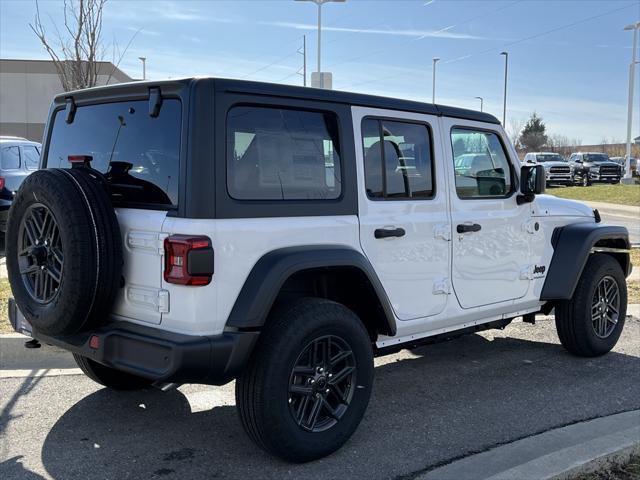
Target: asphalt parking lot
x,y
429,406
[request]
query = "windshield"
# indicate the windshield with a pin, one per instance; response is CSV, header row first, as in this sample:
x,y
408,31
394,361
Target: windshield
x,y
549,157
138,154
596,157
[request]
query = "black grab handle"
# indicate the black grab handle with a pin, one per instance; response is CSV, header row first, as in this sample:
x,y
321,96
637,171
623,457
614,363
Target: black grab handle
x,y
389,232
466,227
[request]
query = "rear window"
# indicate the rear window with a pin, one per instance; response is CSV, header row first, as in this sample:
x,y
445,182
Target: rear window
x,y
10,158
282,154
138,154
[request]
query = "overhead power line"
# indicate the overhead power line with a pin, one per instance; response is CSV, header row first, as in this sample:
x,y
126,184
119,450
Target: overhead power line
x,y
434,33
537,35
515,42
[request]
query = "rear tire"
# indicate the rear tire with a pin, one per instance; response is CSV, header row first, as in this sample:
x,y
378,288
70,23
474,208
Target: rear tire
x,y
277,403
110,377
588,326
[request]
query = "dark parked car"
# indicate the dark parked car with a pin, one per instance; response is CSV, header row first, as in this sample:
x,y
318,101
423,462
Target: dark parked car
x,y
594,167
18,158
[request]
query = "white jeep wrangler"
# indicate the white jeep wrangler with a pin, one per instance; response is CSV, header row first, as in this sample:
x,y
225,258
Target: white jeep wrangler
x,y
211,230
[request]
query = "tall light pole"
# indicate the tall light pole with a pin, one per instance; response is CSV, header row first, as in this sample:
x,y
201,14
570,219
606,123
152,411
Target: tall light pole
x,y
319,3
433,81
481,102
144,67
504,103
632,71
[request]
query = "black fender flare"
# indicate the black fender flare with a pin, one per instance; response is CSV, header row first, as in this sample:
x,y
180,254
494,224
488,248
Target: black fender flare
x,y
267,276
572,245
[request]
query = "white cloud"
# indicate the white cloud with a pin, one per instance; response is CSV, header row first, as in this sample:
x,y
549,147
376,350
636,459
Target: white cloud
x,y
442,33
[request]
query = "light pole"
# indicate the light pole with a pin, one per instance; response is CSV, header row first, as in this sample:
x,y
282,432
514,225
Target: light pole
x,y
504,103
433,82
320,3
144,67
481,102
632,70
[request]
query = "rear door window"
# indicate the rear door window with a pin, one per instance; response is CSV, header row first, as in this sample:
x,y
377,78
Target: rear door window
x,y
397,159
31,157
282,154
10,158
138,154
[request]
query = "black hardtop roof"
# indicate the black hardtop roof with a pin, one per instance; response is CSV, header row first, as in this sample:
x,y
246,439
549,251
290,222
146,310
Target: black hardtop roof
x,y
303,93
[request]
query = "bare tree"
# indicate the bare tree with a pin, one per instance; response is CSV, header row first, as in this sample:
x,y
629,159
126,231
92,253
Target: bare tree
x,y
77,51
515,127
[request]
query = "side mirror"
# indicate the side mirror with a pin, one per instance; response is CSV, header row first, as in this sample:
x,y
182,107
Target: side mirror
x,y
532,182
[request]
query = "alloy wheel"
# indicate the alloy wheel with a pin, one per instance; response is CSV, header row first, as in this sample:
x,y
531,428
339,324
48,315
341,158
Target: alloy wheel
x,y
605,307
40,255
322,383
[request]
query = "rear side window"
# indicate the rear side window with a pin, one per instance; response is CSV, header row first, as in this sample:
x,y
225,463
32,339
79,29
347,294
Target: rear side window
x,y
397,159
31,157
481,166
10,158
138,154
282,154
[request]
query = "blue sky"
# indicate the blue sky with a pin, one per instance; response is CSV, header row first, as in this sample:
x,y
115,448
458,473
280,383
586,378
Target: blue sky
x,y
569,60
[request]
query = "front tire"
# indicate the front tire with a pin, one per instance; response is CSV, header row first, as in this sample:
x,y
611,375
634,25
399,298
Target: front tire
x,y
308,383
590,324
110,377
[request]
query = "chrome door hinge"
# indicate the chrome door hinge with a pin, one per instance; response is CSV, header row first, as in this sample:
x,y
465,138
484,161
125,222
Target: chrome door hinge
x,y
442,231
531,226
525,273
441,286
152,298
148,241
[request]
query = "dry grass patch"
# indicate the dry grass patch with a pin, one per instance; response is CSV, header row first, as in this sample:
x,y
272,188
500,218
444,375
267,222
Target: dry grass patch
x,y
5,293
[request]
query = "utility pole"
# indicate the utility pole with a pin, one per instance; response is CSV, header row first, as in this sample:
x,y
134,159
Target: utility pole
x,y
319,3
433,82
504,104
144,67
304,60
632,71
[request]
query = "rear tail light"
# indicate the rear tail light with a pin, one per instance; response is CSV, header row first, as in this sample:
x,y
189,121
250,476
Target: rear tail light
x,y
188,260
2,183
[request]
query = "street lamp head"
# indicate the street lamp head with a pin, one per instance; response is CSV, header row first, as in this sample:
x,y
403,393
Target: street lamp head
x,y
436,59
504,53
633,26
142,58
479,98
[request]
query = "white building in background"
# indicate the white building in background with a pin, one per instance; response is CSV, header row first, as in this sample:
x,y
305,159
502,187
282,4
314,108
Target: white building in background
x,y
27,88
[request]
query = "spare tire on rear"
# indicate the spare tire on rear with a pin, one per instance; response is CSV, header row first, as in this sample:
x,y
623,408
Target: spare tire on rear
x,y
64,251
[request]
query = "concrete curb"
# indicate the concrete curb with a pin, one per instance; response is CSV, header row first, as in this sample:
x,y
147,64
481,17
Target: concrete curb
x,y
559,454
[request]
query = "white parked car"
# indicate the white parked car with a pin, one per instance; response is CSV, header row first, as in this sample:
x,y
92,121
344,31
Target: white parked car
x,y
211,230
557,169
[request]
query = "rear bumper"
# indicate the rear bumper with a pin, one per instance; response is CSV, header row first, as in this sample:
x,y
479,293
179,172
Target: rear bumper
x,y
156,354
5,205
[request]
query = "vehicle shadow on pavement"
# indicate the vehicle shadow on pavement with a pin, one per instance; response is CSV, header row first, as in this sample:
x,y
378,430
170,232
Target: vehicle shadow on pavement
x,y
438,403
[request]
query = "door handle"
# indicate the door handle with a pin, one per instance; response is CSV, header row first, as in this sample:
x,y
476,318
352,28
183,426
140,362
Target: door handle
x,y
388,232
468,227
